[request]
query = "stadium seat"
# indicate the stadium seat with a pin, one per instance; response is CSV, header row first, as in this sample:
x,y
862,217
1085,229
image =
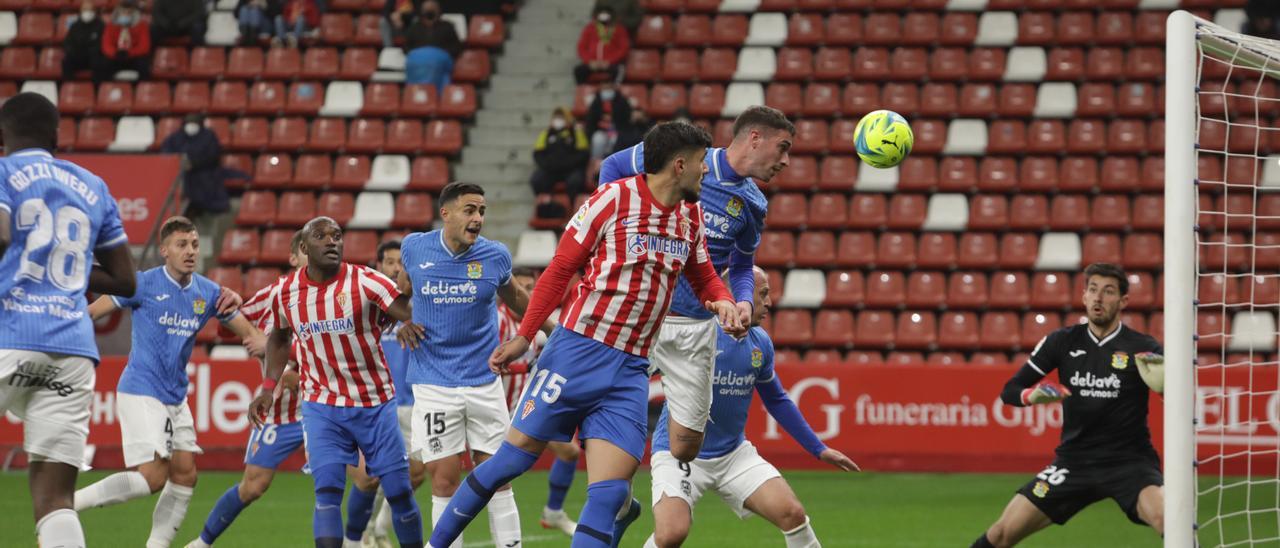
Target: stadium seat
x,y
836,63
1101,248
718,65
1263,290
958,29
413,210
822,100
800,175
190,97
1036,325
319,63
358,63
372,210
313,171
845,289
999,331
861,358
815,249
885,289
152,98
957,174
827,211
949,64
936,251
282,63
227,277
805,29
939,99
48,63
207,63
273,171
867,211
287,134
776,249
67,133
907,211
366,135
728,30
350,172
916,331
327,135
414,100
338,205
919,173
75,97
229,97
967,290
854,250
833,328
989,212
803,288
95,134
249,134
1069,212
429,173
1035,29
244,63
133,134
926,290
391,172
792,327
275,246
958,330
485,31
977,250
1218,290
883,29
903,98
811,135
266,98
296,208
1142,291
113,98
242,163
1267,249
874,329
896,250
869,64
404,136
787,97
1050,136
680,64
654,30
1143,250
169,63
239,246
1210,328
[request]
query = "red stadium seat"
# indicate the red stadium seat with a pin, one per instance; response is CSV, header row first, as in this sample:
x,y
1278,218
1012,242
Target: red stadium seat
x,y
221,127
266,98
958,330
931,136
855,249
792,64
1109,212
443,137
338,205
836,63
336,29
869,64
1143,250
1037,325
833,328
67,132
845,288
350,172
792,327
949,64
1007,137
327,135
905,359
207,63
776,249
366,135
1065,64
114,98
860,98
414,100
95,134
1010,290
257,208
885,289
957,174
1075,28
169,63
916,330
1139,99
1096,99
824,358
937,250
190,97
867,211
967,290
811,135
1079,174
896,250
75,97
804,29
287,134
413,211
244,63
999,330
918,173
1050,137
1051,290
907,211
692,30
827,211
1018,250
296,208
874,329
229,97
485,31
227,277
666,99
902,98
1148,212
844,29
988,212
883,29
282,63
272,171
1218,290
987,64
680,64
655,30
718,64
239,246
1211,329
837,173
48,64
1114,28
358,63
938,99
926,290
152,98
1036,29
643,65
918,29
800,175
249,134
997,174
864,359
17,63
320,63
1267,244
729,30
1039,174
1029,212
472,66
404,136
1069,212
788,211
1105,64
821,100
978,250
34,27
1264,290
815,249
258,278
275,246
1144,63
429,173
1017,100
313,171
1101,248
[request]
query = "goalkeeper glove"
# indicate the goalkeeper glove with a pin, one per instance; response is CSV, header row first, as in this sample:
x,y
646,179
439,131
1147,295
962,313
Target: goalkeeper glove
x,y
1151,368
1047,392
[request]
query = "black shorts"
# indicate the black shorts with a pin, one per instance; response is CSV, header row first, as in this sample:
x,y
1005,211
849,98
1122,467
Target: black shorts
x,y
1066,487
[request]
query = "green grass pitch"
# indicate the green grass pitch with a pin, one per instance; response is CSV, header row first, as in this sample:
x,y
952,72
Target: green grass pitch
x,y
867,509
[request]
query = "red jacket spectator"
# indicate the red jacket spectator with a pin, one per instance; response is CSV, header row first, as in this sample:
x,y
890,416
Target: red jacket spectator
x,y
604,42
307,8
135,40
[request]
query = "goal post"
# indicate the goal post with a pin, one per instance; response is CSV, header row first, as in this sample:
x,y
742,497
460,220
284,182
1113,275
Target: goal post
x,y
1221,286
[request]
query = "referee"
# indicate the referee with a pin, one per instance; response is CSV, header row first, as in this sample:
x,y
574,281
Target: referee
x,y
1106,449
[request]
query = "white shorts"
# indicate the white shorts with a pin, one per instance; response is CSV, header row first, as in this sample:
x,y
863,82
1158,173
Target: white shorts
x,y
52,394
447,420
685,352
149,428
404,414
734,476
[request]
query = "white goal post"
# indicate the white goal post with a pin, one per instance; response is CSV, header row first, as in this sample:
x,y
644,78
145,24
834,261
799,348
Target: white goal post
x,y
1221,286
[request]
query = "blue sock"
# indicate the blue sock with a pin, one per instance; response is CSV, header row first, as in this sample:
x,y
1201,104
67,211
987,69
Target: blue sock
x,y
224,512
595,524
326,522
474,493
559,481
621,524
359,510
405,516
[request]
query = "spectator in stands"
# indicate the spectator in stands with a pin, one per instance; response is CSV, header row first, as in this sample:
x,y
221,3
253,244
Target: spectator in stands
x,y
561,155
178,18
1263,19
258,18
628,12
83,43
609,112
432,45
126,43
398,16
203,177
298,19
602,47
479,7
632,134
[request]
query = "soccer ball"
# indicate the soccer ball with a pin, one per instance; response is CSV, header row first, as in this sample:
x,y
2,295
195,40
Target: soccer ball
x,y
883,138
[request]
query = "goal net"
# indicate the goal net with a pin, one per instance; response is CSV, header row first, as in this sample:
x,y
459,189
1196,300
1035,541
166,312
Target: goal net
x,y
1222,245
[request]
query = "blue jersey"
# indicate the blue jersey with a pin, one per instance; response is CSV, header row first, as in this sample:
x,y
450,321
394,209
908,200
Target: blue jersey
x,y
60,214
733,211
455,301
740,365
398,363
166,318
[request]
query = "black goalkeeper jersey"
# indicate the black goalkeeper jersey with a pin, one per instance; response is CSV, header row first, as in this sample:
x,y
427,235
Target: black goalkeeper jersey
x,y
1105,417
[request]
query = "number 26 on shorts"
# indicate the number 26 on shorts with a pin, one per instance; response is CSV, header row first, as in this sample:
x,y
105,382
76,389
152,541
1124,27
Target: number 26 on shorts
x,y
547,386
1053,475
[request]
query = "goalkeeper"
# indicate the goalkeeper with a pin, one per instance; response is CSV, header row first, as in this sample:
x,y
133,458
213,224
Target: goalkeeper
x,y
1106,449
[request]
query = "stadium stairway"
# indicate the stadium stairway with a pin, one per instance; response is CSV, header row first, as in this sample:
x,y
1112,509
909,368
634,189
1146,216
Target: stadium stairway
x,y
534,75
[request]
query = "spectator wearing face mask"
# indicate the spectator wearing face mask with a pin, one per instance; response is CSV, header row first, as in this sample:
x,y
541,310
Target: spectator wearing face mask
x,y
627,12
178,19
202,177
397,17
83,43
433,45
609,112
126,43
297,19
632,133
602,47
561,155
257,19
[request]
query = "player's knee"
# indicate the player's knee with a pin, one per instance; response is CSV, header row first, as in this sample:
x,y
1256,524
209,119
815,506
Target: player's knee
x,y
686,450
568,452
791,515
253,489
183,476
367,483
669,535
156,477
417,475
1000,535
442,486
45,502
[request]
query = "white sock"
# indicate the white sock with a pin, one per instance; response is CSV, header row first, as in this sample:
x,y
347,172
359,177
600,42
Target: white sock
x,y
113,489
504,519
802,536
438,505
171,508
198,543
382,523
60,529
348,543
650,543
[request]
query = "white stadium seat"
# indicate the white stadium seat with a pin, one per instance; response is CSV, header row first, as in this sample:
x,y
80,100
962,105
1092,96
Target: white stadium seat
x,y
947,212
388,172
966,137
133,134
1055,100
343,99
804,288
876,180
740,96
1059,251
535,248
756,65
373,210
767,29
997,28
1026,64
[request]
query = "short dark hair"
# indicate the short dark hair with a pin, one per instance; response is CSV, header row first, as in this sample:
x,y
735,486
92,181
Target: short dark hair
x,y
30,118
387,246
1110,271
669,139
176,223
455,189
762,116
524,271
295,244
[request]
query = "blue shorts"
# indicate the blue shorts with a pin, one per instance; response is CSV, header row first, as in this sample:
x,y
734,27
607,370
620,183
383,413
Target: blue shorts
x,y
270,444
335,434
584,386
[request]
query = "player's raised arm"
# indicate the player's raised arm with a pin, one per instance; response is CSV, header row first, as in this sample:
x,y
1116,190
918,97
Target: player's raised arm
x,y
114,274
622,164
102,307
1023,390
254,341
711,289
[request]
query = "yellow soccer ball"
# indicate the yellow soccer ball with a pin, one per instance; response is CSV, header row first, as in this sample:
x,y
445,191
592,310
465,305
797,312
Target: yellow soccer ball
x,y
883,139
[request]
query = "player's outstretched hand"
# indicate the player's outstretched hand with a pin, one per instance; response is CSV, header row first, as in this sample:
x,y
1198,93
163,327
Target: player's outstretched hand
x,y
744,313
506,353
258,409
256,345
1045,392
410,335
838,460
1151,369
728,313
228,301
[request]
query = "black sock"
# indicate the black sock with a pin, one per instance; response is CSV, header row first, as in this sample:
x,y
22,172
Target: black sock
x,y
982,542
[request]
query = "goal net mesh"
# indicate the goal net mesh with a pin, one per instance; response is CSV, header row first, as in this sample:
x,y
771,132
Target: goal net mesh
x,y
1237,276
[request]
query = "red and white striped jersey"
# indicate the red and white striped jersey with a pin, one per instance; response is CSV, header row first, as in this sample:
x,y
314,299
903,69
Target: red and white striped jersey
x,y
258,311
337,327
638,249
509,328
